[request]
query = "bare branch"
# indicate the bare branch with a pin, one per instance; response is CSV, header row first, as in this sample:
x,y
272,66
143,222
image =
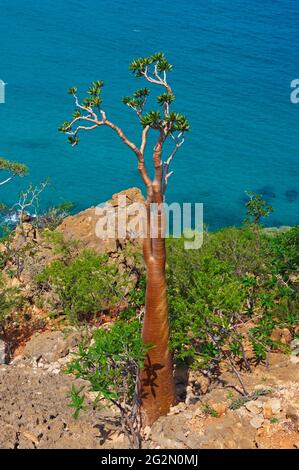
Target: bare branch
x,y
158,80
13,168
144,139
7,179
150,79
178,141
140,110
29,198
158,165
94,119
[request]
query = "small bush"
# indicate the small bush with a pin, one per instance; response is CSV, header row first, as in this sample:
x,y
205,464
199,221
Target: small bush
x,y
84,286
111,365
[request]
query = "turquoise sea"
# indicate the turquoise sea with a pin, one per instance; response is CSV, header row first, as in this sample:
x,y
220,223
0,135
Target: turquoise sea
x,y
233,65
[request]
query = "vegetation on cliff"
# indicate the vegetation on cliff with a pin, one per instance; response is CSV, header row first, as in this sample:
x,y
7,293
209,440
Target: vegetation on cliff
x,y
231,303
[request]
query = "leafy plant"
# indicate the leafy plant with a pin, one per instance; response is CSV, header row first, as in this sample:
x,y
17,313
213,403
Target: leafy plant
x,y
274,420
84,286
209,410
238,274
111,366
77,400
64,248
256,208
260,336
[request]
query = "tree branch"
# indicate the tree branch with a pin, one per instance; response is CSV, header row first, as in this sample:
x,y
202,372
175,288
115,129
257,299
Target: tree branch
x,y
8,179
158,80
93,118
178,144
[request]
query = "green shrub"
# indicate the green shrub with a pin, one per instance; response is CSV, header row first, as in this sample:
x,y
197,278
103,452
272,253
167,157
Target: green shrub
x,y
204,295
65,249
84,286
283,252
110,366
256,208
238,273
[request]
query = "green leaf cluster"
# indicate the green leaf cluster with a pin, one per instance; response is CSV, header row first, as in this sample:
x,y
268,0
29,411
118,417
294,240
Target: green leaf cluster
x,y
111,363
179,122
65,126
165,98
94,99
138,66
152,119
138,99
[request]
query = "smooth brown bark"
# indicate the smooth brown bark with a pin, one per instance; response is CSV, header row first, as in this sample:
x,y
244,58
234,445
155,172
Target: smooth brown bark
x,y
156,378
157,384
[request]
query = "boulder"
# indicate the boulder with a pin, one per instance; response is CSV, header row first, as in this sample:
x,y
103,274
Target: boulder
x,y
257,422
281,335
271,407
253,407
49,346
219,408
294,359
200,382
86,226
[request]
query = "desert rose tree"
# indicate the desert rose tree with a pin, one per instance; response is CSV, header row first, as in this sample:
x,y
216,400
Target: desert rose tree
x,y
157,391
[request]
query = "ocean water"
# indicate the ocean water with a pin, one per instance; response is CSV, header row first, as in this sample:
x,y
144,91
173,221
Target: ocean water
x,y
233,64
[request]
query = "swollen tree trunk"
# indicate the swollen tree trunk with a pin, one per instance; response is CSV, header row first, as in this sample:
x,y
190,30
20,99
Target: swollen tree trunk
x,y
156,378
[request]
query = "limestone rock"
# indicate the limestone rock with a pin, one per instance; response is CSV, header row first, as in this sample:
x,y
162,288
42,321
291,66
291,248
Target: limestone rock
x,y
275,404
35,413
252,407
271,407
84,226
200,382
281,335
293,414
4,352
267,411
219,408
48,347
257,422
294,359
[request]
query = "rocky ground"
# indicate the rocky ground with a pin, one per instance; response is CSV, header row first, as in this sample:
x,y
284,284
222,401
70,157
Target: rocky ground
x,y
211,413
34,411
